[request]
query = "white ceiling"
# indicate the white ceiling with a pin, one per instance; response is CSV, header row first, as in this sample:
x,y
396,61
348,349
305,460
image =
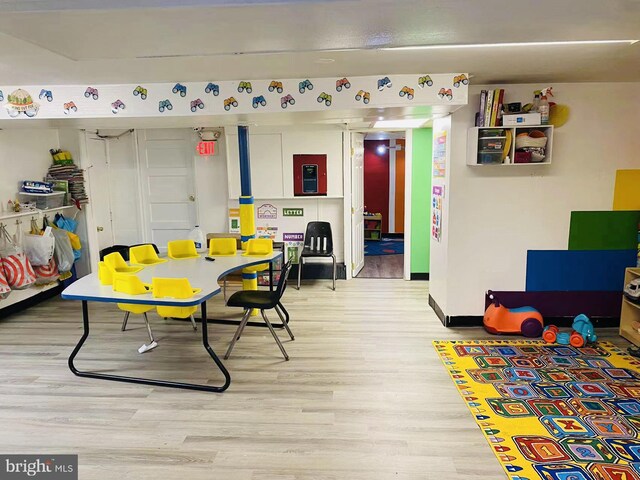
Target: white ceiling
x,y
130,41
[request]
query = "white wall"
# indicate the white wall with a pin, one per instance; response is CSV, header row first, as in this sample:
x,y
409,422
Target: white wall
x,y
271,150
498,213
24,155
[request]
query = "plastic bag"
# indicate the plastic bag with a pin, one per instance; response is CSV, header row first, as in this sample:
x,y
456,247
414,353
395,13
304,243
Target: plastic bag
x,y
70,225
39,249
17,269
47,273
63,253
5,289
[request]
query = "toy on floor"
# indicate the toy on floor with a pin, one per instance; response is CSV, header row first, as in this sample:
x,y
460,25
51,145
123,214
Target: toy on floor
x,y
581,334
500,319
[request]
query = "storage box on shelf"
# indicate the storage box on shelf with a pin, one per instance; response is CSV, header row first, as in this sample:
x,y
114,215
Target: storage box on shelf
x,y
373,227
44,201
501,146
630,312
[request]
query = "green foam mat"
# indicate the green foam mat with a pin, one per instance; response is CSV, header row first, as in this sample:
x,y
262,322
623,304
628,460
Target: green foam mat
x,y
616,230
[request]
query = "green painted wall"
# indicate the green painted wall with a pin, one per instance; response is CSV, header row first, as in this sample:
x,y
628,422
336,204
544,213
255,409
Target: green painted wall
x,y
421,199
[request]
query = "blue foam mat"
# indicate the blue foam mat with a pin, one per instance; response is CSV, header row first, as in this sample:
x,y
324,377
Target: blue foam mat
x,y
578,270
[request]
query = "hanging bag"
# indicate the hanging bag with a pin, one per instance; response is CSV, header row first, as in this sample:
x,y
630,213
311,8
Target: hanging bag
x,y
63,252
17,269
5,289
47,273
38,247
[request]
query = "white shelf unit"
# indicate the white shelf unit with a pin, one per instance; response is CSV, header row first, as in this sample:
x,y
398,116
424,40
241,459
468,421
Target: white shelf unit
x,y
475,135
11,215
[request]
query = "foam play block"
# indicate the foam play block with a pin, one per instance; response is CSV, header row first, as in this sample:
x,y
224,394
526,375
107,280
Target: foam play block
x,y
626,195
578,270
604,230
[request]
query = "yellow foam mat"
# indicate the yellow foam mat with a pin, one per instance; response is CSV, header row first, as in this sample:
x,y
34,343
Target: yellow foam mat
x,y
551,412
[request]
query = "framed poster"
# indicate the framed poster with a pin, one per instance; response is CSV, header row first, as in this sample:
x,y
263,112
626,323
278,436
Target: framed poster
x,y
293,244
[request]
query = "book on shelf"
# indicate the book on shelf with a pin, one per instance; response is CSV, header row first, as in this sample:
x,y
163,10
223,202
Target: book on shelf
x,y
483,101
494,108
487,109
490,108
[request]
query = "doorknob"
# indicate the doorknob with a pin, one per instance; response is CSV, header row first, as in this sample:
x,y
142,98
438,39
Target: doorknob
x,y
100,229
192,198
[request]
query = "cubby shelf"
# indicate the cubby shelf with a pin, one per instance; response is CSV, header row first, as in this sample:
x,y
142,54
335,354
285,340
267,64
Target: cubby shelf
x,y
373,221
630,311
477,135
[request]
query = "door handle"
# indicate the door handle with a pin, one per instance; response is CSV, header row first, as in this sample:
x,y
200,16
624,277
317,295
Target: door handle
x,y
100,229
192,198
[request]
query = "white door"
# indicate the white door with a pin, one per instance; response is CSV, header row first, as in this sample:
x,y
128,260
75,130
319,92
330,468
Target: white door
x,y
168,187
97,172
357,202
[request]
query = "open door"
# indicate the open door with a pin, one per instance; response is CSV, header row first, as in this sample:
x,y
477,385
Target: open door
x,y
357,203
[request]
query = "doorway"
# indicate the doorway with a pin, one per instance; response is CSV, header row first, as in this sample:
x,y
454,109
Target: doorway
x,y
384,205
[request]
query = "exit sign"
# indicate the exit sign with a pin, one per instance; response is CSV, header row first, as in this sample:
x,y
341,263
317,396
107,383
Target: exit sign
x,y
206,149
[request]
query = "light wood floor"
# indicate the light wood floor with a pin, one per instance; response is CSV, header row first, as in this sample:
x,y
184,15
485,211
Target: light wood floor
x,y
363,397
382,266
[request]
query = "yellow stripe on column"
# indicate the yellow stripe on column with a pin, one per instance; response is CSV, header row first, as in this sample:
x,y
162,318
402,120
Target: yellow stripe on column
x,y
247,232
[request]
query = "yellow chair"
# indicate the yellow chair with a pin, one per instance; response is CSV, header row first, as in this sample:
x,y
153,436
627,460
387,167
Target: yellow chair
x,y
181,249
222,247
258,247
178,288
116,263
132,285
105,274
144,255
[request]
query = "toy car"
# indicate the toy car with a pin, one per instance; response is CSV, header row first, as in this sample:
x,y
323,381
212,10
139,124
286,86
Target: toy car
x,y
582,333
276,86
260,100
164,104
140,91
91,92
196,104
632,290
46,94
179,88
343,82
230,102
70,107
460,79
117,105
407,91
212,88
384,82
425,80
326,98
500,319
305,85
244,87
1,96
287,100
365,96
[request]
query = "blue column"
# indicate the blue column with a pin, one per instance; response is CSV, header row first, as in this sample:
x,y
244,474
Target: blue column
x,y
245,161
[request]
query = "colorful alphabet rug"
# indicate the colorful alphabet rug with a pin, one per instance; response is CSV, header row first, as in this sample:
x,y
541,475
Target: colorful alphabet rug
x,y
552,412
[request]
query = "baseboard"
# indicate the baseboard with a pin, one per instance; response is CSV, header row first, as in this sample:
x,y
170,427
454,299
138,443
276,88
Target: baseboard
x,y
419,276
436,308
31,301
319,271
393,235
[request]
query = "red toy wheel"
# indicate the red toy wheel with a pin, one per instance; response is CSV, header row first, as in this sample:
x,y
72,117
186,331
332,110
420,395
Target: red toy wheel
x,y
576,340
549,335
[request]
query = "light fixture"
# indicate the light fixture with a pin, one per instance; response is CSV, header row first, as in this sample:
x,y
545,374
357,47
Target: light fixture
x,y
398,124
381,149
513,44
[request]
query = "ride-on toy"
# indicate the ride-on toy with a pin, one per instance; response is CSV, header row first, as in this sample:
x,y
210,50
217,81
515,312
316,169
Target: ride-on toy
x,y
581,334
499,319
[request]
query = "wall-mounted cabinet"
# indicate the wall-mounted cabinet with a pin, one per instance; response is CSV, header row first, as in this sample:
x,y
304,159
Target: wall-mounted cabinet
x,y
530,145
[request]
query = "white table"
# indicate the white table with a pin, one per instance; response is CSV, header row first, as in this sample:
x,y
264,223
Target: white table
x,y
201,273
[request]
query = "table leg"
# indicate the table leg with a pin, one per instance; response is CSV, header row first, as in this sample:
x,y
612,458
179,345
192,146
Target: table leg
x,y
149,381
271,276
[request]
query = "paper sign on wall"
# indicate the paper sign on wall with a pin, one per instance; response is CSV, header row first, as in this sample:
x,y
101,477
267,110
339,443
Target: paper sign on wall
x,y
266,232
234,220
293,212
440,155
436,212
294,243
267,211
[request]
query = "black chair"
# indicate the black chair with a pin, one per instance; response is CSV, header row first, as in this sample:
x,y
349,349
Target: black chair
x,y
261,300
318,242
